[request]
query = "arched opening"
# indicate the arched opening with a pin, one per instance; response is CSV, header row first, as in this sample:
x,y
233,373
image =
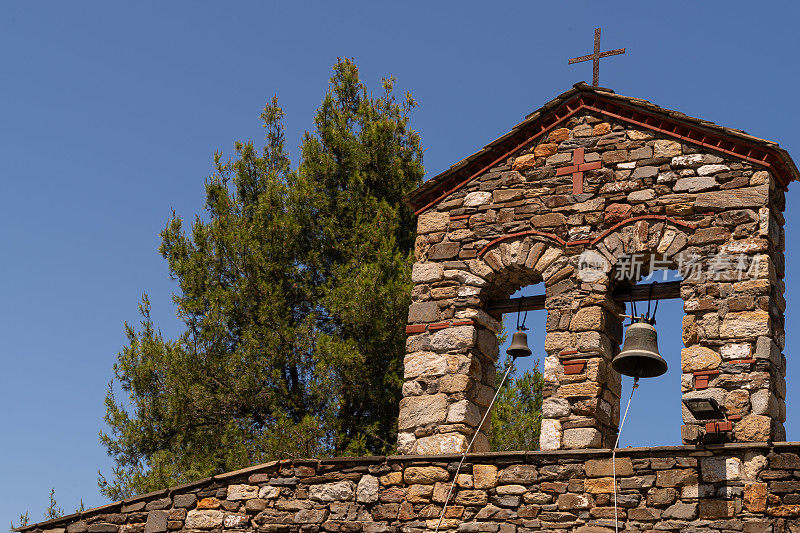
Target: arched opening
x,y
516,416
652,421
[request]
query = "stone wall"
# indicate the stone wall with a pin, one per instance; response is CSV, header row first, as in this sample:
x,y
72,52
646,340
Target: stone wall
x,y
751,488
600,186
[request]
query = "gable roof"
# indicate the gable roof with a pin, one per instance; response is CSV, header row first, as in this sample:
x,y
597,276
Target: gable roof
x,y
636,111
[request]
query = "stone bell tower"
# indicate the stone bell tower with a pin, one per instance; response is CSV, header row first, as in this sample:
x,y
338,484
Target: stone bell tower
x,y
617,180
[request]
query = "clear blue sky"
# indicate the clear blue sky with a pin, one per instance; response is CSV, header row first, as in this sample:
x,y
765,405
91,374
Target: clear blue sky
x,y
110,113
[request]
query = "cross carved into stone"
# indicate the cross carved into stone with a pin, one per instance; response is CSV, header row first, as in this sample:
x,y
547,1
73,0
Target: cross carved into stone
x,y
595,57
577,169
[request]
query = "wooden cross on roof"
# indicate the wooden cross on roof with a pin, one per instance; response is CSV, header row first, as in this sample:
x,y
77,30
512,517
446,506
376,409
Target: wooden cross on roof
x,y
595,57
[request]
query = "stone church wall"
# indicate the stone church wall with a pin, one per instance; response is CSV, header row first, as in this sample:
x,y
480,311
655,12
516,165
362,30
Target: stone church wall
x,y
603,187
751,488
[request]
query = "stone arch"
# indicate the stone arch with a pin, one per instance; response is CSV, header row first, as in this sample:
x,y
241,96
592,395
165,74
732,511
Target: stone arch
x,y
730,352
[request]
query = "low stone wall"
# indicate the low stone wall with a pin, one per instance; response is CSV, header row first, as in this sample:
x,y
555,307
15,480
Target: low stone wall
x,y
748,487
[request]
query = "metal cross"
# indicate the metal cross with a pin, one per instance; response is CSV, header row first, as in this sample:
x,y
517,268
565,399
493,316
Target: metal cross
x,y
595,57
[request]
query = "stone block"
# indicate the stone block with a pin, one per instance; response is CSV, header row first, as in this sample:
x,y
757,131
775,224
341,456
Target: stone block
x,y
644,172
548,220
745,324
588,318
444,250
418,411
242,492
708,170
600,485
475,199
745,197
605,467
432,221
524,162
570,502
637,197
331,492
424,364
755,497
464,412
443,443
518,474
206,519
698,184
666,148
716,469
550,435
697,358
753,428
454,339
715,509
471,497
554,407
268,492
310,516
156,522
367,489
681,511
484,476
426,272
545,149
577,438
678,477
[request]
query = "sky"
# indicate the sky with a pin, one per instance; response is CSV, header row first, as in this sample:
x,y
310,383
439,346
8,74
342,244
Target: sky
x,y
110,114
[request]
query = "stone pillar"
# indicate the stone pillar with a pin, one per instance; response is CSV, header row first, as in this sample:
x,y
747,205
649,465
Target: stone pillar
x,y
734,325
580,408
449,368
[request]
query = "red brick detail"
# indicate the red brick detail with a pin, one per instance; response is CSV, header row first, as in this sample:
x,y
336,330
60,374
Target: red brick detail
x,y
464,322
701,382
416,328
735,361
706,373
718,427
583,241
574,366
520,234
567,352
734,417
459,217
438,325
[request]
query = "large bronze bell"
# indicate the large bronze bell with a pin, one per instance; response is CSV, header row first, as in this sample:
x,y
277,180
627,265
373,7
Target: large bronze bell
x,y
519,345
639,357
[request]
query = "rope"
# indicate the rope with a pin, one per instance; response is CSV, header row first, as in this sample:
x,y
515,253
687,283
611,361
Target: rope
x,y
464,455
614,454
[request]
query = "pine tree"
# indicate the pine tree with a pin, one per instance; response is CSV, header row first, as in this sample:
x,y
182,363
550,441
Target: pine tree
x,y
293,290
517,412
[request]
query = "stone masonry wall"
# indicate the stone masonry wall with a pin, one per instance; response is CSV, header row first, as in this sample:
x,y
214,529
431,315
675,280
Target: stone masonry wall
x,y
602,187
750,488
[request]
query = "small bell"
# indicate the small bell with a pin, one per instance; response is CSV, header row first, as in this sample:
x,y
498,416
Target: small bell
x,y
519,345
639,356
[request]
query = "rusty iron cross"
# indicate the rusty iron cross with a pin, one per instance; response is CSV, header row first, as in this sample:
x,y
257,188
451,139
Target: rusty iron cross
x,y
595,57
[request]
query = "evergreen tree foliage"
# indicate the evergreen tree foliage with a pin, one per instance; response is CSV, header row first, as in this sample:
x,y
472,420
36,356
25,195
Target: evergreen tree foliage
x,y
293,289
517,412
